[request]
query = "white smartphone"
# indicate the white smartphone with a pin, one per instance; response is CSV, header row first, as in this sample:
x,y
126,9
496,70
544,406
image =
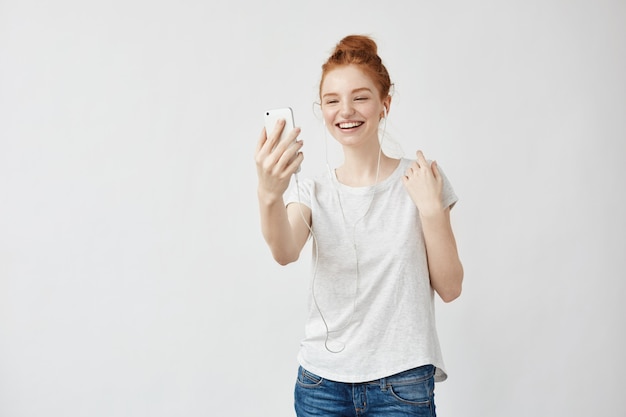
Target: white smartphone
x,y
273,115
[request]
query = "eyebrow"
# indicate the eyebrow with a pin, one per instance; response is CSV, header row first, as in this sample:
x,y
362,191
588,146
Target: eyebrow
x,y
356,90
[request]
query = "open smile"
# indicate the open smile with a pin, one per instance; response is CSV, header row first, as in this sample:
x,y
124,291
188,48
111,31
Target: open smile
x,y
349,125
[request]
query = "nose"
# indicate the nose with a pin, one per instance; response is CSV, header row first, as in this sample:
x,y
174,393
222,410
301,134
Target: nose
x,y
346,109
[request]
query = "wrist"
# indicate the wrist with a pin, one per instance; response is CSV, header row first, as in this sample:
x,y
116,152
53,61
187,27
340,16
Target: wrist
x,y
269,198
434,213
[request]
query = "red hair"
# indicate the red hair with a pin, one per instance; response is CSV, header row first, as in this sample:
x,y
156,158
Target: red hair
x,y
361,51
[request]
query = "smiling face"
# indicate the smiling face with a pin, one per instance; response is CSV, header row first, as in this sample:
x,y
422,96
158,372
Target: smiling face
x,y
352,105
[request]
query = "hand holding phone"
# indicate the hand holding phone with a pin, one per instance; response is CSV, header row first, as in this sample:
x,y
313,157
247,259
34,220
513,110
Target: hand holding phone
x,y
274,115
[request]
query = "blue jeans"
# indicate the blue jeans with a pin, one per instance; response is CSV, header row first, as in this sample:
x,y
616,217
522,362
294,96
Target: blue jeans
x,y
409,393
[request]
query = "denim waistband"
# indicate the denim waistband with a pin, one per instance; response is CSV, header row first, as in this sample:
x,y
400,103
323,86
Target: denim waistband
x,y
407,377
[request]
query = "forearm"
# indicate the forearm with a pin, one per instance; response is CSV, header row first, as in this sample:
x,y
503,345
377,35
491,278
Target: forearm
x,y
277,229
444,265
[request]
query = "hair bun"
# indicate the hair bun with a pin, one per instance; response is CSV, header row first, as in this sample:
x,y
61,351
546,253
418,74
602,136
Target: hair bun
x,y
362,51
352,43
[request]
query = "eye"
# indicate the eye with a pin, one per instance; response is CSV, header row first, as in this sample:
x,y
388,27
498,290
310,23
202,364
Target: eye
x,y
360,98
332,101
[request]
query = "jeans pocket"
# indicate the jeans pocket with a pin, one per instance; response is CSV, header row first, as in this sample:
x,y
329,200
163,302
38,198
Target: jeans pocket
x,y
308,379
417,393
418,390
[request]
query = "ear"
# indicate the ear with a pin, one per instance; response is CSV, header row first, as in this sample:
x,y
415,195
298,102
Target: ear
x,y
387,105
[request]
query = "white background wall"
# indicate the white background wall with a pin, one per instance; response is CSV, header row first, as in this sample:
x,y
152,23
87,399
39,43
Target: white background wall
x,y
134,280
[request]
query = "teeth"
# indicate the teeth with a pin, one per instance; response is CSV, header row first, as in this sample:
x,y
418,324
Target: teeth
x,y
349,125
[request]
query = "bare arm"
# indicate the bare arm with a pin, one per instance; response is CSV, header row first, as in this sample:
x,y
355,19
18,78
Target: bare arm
x,y
444,265
424,184
283,228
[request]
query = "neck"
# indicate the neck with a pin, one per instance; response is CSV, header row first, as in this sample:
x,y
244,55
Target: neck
x,y
361,168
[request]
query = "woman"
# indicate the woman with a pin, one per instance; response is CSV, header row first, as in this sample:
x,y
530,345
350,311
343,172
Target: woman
x,y
382,245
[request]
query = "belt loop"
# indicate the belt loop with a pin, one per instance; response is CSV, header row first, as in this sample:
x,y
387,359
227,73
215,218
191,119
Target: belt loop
x,y
383,384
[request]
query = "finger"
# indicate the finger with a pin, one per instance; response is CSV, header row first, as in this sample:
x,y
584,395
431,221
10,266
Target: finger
x,y
261,141
292,152
295,163
292,137
292,149
421,159
435,170
275,135
284,154
289,141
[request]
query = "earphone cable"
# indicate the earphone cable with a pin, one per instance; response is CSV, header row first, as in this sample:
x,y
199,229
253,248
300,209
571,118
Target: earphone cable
x,y
354,245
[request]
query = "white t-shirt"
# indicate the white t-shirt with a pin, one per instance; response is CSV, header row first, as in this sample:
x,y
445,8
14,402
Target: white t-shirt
x,y
370,281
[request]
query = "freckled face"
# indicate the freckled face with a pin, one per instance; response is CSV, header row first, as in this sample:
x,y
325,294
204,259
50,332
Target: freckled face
x,y
351,105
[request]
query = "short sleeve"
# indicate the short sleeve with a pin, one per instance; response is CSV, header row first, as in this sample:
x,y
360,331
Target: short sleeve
x,y
299,191
449,197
